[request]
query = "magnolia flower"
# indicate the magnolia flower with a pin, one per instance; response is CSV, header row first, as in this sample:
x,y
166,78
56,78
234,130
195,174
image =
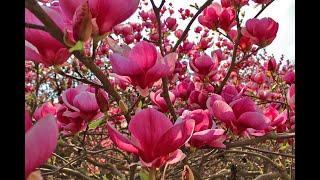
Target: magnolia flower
x,y
154,138
40,46
158,100
143,65
105,14
205,65
261,32
40,141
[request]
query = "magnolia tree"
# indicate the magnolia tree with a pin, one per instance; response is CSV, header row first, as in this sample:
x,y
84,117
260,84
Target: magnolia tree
x,y
144,98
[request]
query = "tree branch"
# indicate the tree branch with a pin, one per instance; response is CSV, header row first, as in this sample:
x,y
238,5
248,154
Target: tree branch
x,y
68,171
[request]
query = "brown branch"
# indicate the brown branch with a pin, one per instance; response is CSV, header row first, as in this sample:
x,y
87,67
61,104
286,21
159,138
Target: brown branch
x,y
268,176
270,152
67,171
35,26
263,8
165,95
108,165
234,53
273,136
133,168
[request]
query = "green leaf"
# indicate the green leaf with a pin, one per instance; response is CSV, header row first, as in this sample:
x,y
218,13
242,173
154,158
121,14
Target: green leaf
x,y
274,86
104,177
143,176
283,147
95,124
61,141
79,46
99,38
140,104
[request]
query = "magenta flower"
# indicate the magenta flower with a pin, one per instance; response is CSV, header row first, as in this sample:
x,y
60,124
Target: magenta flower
x,y
81,102
45,109
214,16
205,65
291,97
261,1
158,100
105,13
40,141
143,65
289,77
230,93
239,114
198,99
40,46
259,78
184,89
276,118
204,129
154,138
68,124
261,32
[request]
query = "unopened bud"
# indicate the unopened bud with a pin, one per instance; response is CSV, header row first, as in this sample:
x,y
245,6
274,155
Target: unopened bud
x,y
123,107
187,173
81,23
102,100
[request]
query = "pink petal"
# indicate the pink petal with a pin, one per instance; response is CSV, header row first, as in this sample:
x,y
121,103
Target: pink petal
x,y
143,92
32,54
123,66
163,68
40,141
146,127
174,138
243,105
280,119
68,97
223,112
144,54
205,137
175,157
254,120
121,141
69,7
86,101
27,121
211,100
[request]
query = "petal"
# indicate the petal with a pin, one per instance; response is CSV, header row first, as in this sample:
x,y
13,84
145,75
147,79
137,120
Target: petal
x,y
40,141
211,100
147,126
123,66
143,92
163,68
223,112
86,101
27,121
32,54
144,54
176,156
69,7
205,137
243,105
68,97
121,141
174,137
254,120
280,119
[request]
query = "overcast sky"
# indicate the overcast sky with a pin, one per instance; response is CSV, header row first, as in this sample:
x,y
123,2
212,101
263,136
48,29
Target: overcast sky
x,y
282,11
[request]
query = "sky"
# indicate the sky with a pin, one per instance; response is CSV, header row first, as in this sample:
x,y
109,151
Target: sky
x,y
281,11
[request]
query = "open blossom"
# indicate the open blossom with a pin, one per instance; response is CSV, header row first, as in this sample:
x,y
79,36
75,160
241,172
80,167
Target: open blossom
x,y
184,89
198,99
44,109
205,132
291,97
276,118
205,65
214,16
245,44
289,77
158,100
154,138
40,46
260,31
40,141
144,65
105,14
239,115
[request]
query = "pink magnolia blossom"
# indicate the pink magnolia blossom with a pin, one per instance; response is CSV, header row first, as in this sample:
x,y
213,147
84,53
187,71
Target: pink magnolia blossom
x,y
205,132
154,138
44,109
261,32
105,13
205,65
198,99
68,124
276,118
40,141
229,93
184,89
40,46
289,77
245,44
291,97
214,16
143,65
259,78
81,102
272,65
158,100
239,114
